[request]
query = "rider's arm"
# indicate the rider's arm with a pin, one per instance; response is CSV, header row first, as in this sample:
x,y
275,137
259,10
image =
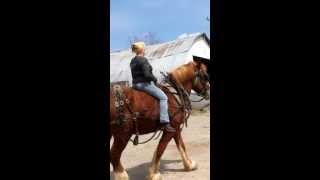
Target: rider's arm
x,y
147,70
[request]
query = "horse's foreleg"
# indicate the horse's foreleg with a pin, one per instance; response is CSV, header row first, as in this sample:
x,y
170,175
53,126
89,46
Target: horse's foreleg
x,y
119,143
189,165
154,173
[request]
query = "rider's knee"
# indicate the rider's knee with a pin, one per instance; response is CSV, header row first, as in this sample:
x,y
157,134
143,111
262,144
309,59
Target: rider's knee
x,y
164,98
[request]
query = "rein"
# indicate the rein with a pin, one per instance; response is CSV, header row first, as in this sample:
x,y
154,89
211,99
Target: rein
x,y
199,100
183,95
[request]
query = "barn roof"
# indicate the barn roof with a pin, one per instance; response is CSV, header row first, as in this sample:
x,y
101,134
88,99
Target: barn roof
x,y
158,51
165,56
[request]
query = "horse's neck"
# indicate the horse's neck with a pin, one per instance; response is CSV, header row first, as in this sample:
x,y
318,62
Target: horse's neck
x,y
187,86
186,83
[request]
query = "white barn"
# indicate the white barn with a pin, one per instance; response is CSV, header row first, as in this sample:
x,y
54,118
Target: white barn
x,y
163,57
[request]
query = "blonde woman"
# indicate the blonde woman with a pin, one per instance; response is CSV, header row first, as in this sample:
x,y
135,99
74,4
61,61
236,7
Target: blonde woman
x,y
144,80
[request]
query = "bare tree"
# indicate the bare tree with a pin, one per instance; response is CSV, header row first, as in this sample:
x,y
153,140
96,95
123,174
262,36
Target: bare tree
x,y
133,39
148,38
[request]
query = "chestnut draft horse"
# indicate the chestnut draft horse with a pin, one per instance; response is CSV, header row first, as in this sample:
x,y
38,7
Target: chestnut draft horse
x,y
191,76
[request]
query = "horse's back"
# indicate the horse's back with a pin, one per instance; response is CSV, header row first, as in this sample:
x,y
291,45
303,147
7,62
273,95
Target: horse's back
x,y
141,101
136,100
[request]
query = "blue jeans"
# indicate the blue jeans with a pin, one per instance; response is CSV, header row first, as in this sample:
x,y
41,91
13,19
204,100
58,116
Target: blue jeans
x,y
153,90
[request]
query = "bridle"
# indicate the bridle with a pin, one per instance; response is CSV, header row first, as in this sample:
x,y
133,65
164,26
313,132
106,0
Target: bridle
x,y
198,79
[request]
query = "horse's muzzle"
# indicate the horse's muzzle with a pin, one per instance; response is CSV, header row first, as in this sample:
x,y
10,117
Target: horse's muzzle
x,y
207,96
207,93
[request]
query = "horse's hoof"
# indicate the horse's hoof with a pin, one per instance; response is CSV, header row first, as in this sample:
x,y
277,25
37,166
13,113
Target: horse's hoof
x,y
156,176
121,175
191,166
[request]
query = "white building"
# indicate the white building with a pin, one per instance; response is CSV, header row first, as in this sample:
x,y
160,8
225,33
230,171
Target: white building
x,y
163,57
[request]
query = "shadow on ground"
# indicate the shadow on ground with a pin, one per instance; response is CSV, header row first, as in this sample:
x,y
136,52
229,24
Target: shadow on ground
x,y
141,171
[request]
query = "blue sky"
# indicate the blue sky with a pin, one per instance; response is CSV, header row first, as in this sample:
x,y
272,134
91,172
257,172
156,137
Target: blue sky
x,y
166,18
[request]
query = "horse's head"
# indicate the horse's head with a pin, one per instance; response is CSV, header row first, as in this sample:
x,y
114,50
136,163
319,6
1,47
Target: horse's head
x,y
201,79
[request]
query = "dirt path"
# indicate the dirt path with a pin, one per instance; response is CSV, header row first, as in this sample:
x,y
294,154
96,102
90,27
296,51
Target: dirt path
x,y
136,159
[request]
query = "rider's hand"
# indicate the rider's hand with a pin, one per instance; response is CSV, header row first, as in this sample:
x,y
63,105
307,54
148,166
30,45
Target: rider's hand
x,y
155,81
157,84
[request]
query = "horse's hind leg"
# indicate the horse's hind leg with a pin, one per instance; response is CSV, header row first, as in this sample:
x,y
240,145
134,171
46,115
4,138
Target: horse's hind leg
x,y
119,143
189,165
154,173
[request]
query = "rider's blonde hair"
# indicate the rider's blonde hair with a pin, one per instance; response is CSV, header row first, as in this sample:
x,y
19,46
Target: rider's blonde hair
x,y
137,46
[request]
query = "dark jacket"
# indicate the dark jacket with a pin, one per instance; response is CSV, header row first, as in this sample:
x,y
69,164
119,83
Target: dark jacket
x,y
141,70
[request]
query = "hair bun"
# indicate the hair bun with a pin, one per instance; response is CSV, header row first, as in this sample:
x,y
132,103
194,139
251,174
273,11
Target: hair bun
x,y
137,46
